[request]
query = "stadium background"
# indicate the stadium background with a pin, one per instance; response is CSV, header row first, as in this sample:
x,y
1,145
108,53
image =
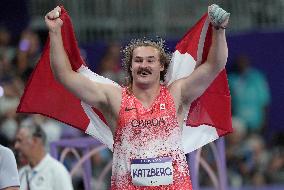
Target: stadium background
x,y
256,30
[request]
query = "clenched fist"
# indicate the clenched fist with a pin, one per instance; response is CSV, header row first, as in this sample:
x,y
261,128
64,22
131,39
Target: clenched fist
x,y
218,16
53,21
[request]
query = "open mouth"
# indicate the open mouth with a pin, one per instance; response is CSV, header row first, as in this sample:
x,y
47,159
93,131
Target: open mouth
x,y
144,73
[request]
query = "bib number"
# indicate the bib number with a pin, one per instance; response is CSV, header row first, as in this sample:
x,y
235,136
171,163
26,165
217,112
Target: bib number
x,y
152,171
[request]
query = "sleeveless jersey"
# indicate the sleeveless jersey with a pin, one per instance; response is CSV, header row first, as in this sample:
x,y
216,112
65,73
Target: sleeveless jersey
x,y
148,133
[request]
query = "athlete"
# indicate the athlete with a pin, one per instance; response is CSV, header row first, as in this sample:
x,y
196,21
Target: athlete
x,y
145,116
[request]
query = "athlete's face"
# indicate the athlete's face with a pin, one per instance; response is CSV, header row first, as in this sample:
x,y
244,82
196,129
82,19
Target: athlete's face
x,y
146,66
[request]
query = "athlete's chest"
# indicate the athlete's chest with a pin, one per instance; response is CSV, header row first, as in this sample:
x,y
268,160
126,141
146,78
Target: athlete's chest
x,y
161,113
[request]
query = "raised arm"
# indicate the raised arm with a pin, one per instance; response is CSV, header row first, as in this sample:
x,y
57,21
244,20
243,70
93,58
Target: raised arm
x,y
189,88
93,93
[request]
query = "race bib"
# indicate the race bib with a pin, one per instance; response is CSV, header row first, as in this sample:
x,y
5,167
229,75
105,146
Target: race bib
x,y
152,171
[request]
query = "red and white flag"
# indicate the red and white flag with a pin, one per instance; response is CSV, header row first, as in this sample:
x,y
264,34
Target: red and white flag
x,y
209,117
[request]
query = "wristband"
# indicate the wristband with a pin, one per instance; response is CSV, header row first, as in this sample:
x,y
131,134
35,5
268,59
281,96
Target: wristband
x,y
220,27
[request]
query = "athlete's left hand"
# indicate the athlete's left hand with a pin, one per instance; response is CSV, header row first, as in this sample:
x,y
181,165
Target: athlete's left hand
x,y
218,16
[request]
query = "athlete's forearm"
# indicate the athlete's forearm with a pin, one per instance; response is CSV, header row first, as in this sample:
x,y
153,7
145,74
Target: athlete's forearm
x,y
218,52
59,61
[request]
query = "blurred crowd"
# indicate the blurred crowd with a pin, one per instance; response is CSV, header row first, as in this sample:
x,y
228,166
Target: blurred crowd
x,y
252,157
255,156
17,61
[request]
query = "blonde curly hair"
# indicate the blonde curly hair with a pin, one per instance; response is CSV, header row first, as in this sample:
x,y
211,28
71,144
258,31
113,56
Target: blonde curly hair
x,y
165,56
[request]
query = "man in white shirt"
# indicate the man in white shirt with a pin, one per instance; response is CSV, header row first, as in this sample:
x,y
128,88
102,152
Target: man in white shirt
x,y
42,172
9,177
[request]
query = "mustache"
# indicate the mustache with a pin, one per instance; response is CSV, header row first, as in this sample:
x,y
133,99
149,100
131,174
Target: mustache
x,y
144,69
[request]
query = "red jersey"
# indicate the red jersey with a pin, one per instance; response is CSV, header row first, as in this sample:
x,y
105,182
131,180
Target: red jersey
x,y
148,134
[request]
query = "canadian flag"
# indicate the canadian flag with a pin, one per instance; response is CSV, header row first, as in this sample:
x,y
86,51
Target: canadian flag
x,y
208,118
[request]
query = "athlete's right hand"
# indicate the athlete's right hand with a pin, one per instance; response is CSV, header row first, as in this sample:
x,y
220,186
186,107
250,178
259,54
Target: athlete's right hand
x,y
53,21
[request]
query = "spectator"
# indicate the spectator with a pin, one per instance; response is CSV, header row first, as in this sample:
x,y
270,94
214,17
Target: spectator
x,y
6,49
275,170
51,128
42,171
254,161
11,90
110,64
28,53
235,152
250,95
9,177
100,161
7,53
